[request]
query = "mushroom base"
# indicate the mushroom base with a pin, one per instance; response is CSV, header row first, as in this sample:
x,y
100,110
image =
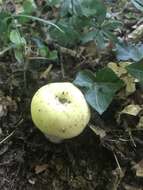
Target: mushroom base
x,y
53,139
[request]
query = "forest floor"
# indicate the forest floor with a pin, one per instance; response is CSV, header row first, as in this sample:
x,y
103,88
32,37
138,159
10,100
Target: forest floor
x,y
28,161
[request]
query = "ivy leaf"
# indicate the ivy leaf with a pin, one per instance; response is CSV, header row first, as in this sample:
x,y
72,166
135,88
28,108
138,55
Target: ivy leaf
x,y
101,35
68,37
96,36
43,49
100,96
138,4
71,7
94,8
85,79
136,70
111,25
129,52
53,2
99,89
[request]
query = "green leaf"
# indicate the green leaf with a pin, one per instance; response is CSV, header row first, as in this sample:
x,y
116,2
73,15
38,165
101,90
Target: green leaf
x,y
43,51
99,89
19,55
53,55
138,4
97,36
85,79
100,96
90,36
69,37
53,2
105,86
107,75
136,69
102,34
3,22
29,6
100,40
79,23
16,38
94,8
72,7
129,52
5,26
111,25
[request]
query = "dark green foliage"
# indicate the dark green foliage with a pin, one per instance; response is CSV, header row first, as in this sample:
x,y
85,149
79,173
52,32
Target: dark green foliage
x,y
99,88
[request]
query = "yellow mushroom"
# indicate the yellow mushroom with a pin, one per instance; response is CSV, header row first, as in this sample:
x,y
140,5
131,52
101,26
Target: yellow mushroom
x,y
60,111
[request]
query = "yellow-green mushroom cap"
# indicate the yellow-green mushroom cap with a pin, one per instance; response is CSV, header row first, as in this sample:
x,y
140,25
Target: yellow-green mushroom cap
x,y
60,111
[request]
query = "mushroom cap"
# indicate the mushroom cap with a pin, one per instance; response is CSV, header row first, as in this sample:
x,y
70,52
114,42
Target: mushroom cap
x,y
60,110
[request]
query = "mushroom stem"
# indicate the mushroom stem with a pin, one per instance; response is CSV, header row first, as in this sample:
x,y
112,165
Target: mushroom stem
x,y
53,139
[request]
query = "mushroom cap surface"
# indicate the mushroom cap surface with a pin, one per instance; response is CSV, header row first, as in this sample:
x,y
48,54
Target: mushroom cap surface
x,y
60,110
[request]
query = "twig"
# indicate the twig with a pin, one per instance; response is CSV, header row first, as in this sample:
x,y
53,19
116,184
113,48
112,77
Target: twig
x,y
121,172
62,66
38,58
131,137
6,138
67,51
1,142
45,74
5,50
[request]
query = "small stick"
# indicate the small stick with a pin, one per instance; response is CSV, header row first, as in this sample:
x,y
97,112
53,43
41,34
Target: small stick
x,y
131,137
121,172
44,75
62,66
7,137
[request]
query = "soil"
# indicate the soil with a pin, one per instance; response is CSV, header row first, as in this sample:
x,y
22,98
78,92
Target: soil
x,y
28,161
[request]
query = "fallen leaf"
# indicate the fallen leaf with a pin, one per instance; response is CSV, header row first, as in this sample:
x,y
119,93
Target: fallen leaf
x,y
45,74
139,169
140,123
98,131
130,84
130,187
32,181
121,71
3,111
137,34
40,168
131,109
91,50
129,51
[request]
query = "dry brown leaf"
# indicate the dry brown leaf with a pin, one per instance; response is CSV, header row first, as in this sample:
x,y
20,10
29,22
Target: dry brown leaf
x,y
91,50
98,131
119,69
137,34
139,169
140,123
131,109
45,74
3,110
40,168
130,84
32,181
121,72
129,187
